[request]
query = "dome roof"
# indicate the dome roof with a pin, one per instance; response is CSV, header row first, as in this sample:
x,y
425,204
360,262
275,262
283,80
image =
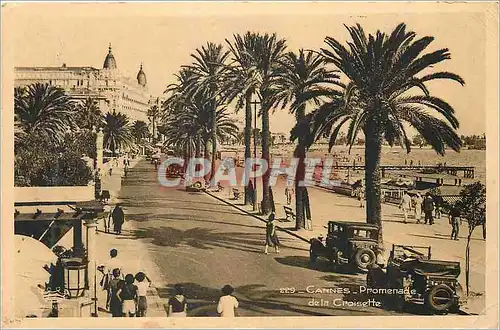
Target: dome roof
x,y
141,78
109,62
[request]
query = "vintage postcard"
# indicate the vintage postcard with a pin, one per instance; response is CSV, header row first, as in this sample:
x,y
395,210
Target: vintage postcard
x,y
250,165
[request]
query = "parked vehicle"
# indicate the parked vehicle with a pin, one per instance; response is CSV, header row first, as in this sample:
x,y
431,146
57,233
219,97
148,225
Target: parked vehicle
x,y
347,243
433,283
155,159
174,171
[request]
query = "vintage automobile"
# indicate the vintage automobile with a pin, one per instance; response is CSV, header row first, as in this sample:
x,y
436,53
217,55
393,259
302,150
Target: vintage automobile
x,y
174,171
350,243
155,159
432,283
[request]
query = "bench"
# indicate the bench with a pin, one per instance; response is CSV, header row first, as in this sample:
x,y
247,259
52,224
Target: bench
x,y
236,194
289,213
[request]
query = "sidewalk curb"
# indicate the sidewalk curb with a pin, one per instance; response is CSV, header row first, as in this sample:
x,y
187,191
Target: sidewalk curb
x,y
289,232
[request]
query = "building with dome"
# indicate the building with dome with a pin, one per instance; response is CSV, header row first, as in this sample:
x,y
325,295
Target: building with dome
x,y
108,86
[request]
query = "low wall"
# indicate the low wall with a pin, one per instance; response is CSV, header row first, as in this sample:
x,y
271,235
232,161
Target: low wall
x,y
54,194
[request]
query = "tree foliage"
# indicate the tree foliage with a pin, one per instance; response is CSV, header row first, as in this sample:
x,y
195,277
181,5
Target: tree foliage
x,y
43,110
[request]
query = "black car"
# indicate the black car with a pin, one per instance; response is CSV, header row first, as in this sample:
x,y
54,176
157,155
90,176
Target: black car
x,y
432,283
350,243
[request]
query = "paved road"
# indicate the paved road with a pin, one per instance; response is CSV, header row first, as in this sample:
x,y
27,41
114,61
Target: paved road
x,y
204,244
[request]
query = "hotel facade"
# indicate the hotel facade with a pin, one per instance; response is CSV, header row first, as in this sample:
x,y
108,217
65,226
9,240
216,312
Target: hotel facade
x,y
107,86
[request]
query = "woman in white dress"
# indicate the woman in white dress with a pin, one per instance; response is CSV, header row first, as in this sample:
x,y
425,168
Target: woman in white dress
x,y
417,200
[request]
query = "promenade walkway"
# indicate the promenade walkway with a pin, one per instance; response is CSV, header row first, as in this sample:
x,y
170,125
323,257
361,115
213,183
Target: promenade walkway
x,y
327,206
133,254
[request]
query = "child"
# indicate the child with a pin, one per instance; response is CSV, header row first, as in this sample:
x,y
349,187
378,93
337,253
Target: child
x,y
177,305
227,303
128,296
142,290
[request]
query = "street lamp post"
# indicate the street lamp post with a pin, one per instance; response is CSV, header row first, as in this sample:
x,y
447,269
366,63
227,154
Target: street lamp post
x,y
255,154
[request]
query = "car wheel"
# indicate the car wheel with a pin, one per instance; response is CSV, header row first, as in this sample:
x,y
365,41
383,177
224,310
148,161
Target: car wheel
x,y
439,298
312,255
364,258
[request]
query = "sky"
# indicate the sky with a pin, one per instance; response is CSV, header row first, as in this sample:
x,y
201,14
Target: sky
x,y
164,36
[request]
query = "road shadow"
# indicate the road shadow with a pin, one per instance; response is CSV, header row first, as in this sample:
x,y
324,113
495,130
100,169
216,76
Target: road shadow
x,y
201,238
444,237
140,217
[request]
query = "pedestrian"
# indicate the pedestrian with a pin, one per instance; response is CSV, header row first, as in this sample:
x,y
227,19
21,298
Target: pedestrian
x,y
227,303
271,236
428,208
127,293
115,304
251,191
438,201
405,205
177,305
361,196
455,222
288,195
118,218
106,217
418,207
143,283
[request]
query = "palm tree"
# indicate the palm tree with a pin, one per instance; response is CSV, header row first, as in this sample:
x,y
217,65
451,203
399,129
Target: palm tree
x,y
153,114
140,130
117,132
302,79
43,110
269,51
241,84
208,69
89,115
257,57
383,71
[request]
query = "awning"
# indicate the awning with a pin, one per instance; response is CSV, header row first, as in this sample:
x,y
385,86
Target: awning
x,y
30,276
66,216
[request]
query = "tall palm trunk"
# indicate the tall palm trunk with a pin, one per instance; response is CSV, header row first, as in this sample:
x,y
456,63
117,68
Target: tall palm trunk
x,y
207,155
214,138
300,219
206,149
373,149
266,201
186,157
248,140
197,146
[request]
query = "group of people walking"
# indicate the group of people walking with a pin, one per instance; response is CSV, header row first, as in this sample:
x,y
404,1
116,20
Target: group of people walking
x,y
428,206
126,295
431,208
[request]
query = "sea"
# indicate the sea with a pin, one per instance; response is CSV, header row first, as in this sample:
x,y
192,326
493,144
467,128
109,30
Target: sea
x,y
398,156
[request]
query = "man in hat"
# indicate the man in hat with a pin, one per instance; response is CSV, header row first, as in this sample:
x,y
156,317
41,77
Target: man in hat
x,y
428,208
